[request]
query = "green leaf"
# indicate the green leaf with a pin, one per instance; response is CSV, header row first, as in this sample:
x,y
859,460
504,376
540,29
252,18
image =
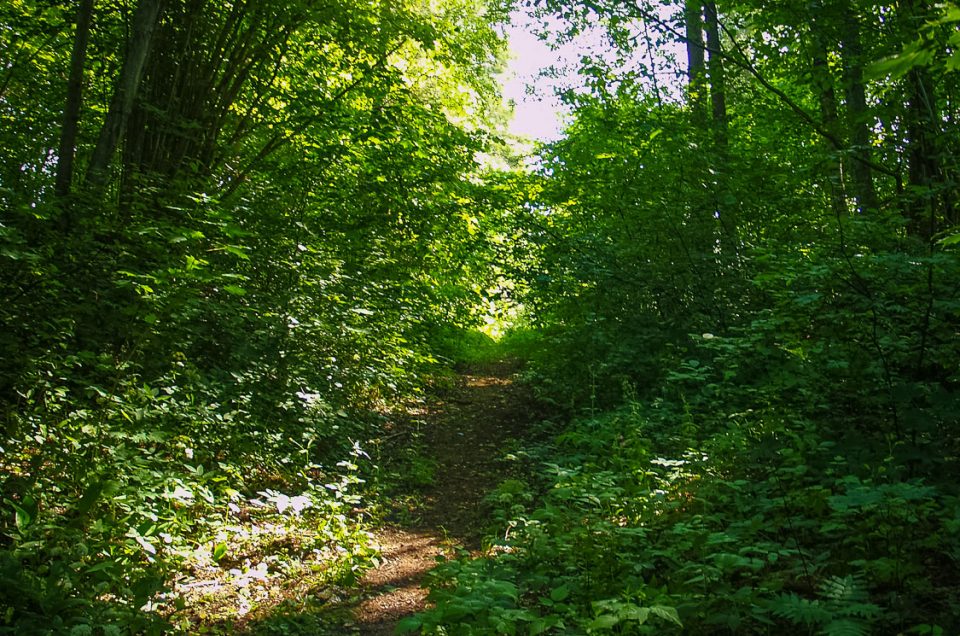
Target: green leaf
x,y
560,593
845,627
193,263
236,250
409,625
636,614
234,290
24,514
146,545
667,613
22,518
103,565
950,15
219,551
953,62
896,66
604,621
953,239
545,623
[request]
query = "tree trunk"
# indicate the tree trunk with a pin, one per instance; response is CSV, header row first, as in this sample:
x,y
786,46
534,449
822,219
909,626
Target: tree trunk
x,y
718,89
71,112
829,111
726,213
696,69
858,124
923,131
144,24
923,154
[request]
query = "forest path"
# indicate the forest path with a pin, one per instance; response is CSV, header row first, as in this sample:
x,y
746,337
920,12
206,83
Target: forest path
x,y
465,432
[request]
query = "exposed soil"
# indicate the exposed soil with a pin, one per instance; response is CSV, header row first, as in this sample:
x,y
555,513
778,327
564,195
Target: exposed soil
x,y
466,434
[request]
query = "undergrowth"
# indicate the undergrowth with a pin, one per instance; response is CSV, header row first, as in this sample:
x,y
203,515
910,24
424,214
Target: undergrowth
x,y
684,514
466,347
157,509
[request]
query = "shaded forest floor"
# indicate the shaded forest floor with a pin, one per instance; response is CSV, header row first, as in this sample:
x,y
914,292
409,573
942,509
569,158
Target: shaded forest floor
x,y
441,459
465,435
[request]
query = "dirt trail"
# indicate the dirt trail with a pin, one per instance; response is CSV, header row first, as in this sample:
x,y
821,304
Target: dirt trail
x,y
465,433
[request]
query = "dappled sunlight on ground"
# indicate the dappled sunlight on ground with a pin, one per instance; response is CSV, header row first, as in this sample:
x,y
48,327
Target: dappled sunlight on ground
x,y
396,584
466,434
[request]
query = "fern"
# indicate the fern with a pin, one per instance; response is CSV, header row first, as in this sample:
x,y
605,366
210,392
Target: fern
x,y
844,589
846,627
847,598
800,611
843,610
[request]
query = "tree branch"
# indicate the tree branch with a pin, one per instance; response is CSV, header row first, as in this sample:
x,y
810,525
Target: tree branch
x,y
743,62
278,139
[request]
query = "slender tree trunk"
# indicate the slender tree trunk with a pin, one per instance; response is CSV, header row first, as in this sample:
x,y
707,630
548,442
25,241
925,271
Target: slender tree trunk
x,y
726,213
696,68
829,111
923,154
858,124
923,128
702,224
71,113
121,105
718,89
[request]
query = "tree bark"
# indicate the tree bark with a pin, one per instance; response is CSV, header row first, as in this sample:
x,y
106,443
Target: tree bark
x,y
823,83
858,126
726,213
718,89
71,112
923,154
696,68
121,105
924,207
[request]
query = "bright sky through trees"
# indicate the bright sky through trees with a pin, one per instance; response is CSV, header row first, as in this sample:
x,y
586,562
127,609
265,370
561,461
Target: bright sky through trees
x,y
538,69
539,112
536,115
